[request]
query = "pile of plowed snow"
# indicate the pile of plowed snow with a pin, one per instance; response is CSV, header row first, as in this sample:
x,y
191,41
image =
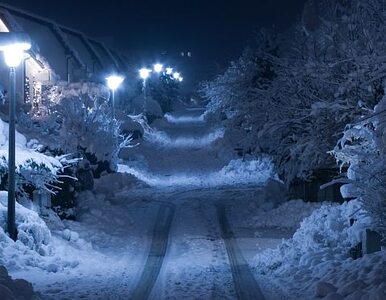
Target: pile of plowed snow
x,y
318,257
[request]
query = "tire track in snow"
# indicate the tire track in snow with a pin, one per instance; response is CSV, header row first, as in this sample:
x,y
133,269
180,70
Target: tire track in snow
x,y
244,281
157,252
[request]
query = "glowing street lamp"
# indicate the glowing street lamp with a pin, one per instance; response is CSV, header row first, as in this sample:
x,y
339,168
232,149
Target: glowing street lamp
x,y
176,75
169,71
180,79
13,45
144,73
158,68
113,82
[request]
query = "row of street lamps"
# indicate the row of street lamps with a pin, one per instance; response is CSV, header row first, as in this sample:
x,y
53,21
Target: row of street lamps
x,y
114,81
13,45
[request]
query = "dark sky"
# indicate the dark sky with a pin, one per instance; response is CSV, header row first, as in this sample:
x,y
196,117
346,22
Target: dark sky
x,y
215,31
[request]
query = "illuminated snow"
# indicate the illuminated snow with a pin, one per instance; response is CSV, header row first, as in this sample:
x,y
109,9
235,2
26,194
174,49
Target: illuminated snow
x,y
236,172
184,119
163,139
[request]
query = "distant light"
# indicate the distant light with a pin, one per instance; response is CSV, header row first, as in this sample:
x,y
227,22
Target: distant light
x,y
144,73
176,75
169,71
158,68
114,81
180,79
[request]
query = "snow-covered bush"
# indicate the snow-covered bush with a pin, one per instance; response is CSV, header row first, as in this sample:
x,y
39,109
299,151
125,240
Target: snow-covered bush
x,y
76,118
363,150
32,168
291,96
319,252
32,231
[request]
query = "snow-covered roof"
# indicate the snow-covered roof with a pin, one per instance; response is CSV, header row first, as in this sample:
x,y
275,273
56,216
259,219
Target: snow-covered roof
x,y
49,24
105,53
96,49
12,25
107,58
93,53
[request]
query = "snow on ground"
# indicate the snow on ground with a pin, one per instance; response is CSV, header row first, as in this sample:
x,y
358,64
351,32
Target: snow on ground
x,y
162,139
288,215
95,257
196,265
316,262
184,119
236,172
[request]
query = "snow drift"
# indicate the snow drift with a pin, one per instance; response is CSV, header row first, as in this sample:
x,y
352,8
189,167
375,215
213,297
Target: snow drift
x,y
32,231
162,139
185,119
236,172
318,256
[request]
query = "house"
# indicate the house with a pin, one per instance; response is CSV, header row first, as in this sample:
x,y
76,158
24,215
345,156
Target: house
x,y
58,53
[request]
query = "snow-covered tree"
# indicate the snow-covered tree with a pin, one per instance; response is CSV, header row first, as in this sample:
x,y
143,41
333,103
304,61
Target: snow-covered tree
x,y
363,150
291,97
77,119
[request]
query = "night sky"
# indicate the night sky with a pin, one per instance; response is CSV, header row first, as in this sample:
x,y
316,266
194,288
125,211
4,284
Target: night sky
x,y
214,31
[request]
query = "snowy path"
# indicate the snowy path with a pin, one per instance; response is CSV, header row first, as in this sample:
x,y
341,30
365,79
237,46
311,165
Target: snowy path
x,y
156,253
169,240
245,283
203,259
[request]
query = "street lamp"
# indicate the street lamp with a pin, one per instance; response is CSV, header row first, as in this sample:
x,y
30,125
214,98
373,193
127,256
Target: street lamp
x,y
176,76
158,68
13,45
113,82
169,71
144,74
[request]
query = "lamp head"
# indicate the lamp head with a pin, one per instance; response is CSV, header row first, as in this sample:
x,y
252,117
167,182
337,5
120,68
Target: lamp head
x,y
13,44
144,73
169,71
158,68
114,81
176,75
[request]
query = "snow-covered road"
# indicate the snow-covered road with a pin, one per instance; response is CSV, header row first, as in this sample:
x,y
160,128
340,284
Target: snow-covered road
x,y
173,239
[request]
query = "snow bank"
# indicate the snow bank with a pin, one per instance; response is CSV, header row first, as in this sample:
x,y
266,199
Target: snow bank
x,y
318,257
162,139
289,215
184,119
32,231
236,172
35,246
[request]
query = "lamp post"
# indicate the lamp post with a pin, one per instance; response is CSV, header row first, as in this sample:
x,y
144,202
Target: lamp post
x,y
13,45
113,82
144,73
